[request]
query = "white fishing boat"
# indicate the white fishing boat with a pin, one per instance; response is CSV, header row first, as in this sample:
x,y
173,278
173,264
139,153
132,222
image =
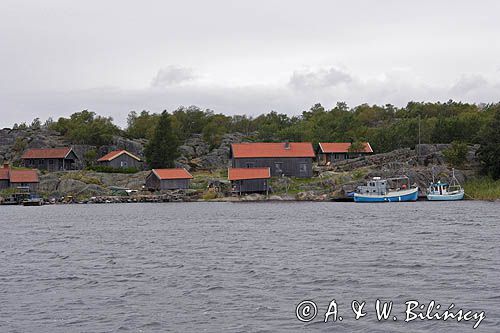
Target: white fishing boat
x,y
445,191
387,190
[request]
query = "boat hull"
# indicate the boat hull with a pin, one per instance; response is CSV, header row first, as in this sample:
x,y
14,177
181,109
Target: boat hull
x,y
399,196
446,197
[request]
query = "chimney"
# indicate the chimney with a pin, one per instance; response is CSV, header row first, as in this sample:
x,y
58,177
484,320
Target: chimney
x,y
287,145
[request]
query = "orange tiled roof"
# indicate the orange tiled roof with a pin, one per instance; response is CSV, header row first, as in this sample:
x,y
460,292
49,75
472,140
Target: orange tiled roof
x,y
177,173
114,154
47,153
248,173
341,147
270,149
4,173
23,176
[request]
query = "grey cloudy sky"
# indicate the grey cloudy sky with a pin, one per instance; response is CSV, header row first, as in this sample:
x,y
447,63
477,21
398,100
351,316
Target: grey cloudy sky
x,y
58,57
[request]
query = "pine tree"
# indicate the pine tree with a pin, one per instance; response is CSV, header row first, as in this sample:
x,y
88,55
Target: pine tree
x,y
489,153
161,150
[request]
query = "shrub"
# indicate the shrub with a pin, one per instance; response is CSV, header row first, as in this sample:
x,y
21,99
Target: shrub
x,y
81,176
108,169
209,195
456,154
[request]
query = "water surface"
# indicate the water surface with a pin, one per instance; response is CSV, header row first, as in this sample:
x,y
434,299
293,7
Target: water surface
x,y
243,267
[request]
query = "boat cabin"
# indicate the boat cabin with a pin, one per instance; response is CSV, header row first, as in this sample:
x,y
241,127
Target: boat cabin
x,y
378,186
443,188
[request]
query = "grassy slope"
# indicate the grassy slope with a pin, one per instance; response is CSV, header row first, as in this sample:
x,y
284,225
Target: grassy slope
x,y
482,189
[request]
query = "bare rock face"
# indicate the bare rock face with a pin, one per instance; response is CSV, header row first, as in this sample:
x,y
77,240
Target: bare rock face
x,y
196,153
312,196
253,197
70,187
13,142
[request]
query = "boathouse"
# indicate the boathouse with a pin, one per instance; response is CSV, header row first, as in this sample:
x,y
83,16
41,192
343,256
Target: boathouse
x,y
120,159
244,180
168,179
292,159
331,152
13,178
50,159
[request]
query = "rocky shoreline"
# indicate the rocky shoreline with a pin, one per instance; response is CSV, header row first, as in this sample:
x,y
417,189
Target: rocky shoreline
x,y
208,164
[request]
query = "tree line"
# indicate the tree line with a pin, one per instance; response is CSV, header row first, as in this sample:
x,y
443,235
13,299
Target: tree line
x,y
386,127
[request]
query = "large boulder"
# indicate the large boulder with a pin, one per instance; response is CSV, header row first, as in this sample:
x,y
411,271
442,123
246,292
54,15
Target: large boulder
x,y
196,153
49,185
70,186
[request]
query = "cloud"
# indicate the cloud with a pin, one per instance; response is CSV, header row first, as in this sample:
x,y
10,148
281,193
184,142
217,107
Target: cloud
x,y
172,75
468,83
322,78
326,86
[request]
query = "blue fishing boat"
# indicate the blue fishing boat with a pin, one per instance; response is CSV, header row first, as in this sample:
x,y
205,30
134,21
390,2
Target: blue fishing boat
x,y
386,190
445,191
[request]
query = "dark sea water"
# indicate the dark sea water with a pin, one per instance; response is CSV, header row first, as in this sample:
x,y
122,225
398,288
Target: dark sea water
x,y
244,267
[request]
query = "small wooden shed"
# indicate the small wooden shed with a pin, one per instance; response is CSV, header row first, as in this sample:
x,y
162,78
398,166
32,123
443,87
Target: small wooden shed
x,y
168,179
18,178
50,159
120,159
331,152
244,180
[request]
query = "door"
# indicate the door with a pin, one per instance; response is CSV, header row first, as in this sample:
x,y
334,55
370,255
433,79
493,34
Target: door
x,y
303,169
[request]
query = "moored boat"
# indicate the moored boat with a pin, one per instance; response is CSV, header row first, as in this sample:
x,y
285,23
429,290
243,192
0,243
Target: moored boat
x,y
33,200
386,190
445,191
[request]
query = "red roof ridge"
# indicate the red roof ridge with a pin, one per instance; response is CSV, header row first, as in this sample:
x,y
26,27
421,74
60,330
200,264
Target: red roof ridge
x,y
115,153
23,176
172,173
342,147
272,149
35,153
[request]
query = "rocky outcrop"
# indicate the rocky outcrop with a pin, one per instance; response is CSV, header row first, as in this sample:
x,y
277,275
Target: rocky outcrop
x,y
13,143
196,153
88,183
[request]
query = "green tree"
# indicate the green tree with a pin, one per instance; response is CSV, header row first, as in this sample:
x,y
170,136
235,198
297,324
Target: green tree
x,y
35,124
161,150
90,157
20,145
189,121
141,126
86,127
356,147
217,126
489,152
456,154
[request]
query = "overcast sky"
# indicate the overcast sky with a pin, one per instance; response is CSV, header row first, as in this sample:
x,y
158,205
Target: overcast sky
x,y
59,57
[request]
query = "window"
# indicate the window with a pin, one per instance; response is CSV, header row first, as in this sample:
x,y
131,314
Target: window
x,y
123,164
40,162
279,167
51,162
250,164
